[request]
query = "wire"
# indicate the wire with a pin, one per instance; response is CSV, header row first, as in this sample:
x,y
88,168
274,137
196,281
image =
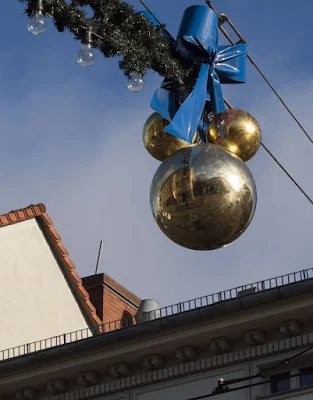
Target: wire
x,y
280,99
155,17
278,163
259,375
223,18
287,173
206,396
287,359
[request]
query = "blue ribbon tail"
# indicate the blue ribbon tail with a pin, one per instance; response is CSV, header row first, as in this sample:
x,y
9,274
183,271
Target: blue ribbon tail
x,y
163,102
215,89
186,121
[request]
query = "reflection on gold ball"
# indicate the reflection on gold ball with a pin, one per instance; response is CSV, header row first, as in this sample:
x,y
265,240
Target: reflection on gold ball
x,y
161,145
203,197
237,132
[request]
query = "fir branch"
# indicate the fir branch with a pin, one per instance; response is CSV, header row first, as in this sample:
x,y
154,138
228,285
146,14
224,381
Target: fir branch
x,y
118,31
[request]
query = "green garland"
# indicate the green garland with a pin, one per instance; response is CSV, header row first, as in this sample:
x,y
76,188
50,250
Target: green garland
x,y
118,31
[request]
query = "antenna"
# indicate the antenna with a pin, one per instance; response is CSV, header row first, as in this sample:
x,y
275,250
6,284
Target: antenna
x,y
99,257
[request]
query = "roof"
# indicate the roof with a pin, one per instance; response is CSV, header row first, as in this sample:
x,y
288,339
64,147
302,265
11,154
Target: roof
x,y
175,318
54,240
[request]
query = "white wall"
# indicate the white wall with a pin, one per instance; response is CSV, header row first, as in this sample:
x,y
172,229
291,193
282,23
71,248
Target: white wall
x,y
35,299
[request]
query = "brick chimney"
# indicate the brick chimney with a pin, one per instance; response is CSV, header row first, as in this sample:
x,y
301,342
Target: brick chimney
x,y
115,305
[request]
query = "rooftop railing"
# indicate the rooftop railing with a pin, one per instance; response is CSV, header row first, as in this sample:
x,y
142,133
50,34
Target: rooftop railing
x,y
164,312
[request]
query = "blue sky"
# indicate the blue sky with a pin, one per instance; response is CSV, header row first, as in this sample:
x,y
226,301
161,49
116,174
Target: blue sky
x,y
72,139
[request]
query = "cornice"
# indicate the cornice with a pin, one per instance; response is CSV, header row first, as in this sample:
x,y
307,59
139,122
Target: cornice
x,y
189,368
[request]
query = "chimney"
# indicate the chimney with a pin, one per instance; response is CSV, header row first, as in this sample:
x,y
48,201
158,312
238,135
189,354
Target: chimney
x,y
116,306
148,310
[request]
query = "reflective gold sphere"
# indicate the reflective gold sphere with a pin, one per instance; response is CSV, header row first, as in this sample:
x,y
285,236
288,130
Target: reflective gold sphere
x,y
203,197
237,132
161,145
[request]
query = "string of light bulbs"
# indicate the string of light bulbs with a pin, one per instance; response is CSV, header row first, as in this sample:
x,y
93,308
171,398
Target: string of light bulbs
x,y
37,25
115,29
86,57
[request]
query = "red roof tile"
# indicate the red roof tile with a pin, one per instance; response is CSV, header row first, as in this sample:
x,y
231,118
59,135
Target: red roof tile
x,y
54,240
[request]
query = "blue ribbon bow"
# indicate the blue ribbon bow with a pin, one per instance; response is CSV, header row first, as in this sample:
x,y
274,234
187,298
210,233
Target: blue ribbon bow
x,y
197,42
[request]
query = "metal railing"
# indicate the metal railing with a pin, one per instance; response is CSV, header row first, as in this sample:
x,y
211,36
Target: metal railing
x,y
164,312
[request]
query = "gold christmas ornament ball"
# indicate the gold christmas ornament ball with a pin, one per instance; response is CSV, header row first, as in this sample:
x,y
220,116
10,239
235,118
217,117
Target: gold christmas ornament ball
x,y
159,144
203,197
237,132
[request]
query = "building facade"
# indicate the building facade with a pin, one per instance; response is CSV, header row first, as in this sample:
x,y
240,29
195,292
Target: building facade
x,y
100,344
182,353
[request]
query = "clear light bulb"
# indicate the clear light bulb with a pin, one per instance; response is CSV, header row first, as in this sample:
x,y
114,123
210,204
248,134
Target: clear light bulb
x,y
86,56
135,82
37,23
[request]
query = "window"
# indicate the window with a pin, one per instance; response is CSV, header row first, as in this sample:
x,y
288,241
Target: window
x,y
306,377
280,383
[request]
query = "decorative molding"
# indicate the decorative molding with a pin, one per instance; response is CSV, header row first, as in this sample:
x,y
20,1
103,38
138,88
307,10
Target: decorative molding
x,y
26,393
220,345
186,353
192,368
120,370
57,386
88,378
290,328
255,337
153,361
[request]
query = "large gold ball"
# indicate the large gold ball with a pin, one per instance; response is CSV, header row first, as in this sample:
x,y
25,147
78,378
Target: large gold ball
x,y
203,197
161,145
236,131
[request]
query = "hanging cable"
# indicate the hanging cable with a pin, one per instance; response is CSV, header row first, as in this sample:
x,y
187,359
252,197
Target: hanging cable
x,y
288,359
223,388
289,176
278,163
223,18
